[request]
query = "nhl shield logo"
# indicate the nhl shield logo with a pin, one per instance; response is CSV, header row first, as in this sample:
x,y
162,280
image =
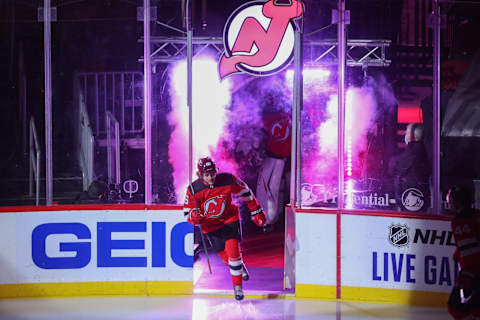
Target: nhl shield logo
x,y
398,235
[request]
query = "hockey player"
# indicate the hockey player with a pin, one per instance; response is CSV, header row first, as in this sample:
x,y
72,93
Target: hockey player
x,y
275,167
208,203
464,301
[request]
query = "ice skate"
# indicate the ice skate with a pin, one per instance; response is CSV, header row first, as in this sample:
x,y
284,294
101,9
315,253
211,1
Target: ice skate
x,y
238,291
245,274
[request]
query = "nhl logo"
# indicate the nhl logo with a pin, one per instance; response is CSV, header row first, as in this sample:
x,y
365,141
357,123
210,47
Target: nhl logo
x,y
398,235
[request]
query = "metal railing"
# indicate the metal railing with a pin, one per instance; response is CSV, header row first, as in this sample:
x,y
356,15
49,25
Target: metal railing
x,y
359,52
35,154
120,93
85,140
113,149
86,145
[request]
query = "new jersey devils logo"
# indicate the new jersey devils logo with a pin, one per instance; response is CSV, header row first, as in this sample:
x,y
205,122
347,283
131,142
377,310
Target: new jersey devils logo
x,y
214,207
259,37
280,130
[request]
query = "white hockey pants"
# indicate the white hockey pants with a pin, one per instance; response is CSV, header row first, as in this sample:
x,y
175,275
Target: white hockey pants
x,y
268,187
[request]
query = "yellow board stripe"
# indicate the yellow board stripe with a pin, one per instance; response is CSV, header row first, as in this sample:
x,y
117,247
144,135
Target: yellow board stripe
x,y
162,288
76,289
376,295
407,297
315,291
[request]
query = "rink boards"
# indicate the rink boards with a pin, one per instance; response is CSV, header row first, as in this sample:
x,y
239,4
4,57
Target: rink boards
x,y
147,250
85,250
381,257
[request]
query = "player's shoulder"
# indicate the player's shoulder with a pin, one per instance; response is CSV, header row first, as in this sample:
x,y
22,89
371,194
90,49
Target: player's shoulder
x,y
224,179
197,186
231,180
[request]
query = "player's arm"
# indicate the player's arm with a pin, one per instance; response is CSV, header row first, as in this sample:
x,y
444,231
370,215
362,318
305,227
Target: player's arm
x,y
467,244
456,255
242,190
191,211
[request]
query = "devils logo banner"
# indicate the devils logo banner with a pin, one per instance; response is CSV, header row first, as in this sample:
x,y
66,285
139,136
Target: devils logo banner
x,y
259,38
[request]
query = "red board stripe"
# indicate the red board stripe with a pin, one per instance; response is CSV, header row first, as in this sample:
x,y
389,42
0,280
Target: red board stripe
x,y
89,207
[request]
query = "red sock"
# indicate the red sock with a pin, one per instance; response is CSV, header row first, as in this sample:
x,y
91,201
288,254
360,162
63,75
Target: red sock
x,y
235,262
232,248
223,255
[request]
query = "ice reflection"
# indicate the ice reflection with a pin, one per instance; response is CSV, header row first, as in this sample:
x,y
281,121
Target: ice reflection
x,y
207,309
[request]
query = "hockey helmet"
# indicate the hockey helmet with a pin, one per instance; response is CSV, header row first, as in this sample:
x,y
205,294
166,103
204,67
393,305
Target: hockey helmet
x,y
205,165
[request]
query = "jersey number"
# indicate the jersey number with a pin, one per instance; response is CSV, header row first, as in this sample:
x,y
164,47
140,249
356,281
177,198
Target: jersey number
x,y
463,229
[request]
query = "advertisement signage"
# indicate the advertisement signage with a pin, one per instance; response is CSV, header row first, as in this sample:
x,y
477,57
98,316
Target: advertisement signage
x,y
396,253
76,246
316,250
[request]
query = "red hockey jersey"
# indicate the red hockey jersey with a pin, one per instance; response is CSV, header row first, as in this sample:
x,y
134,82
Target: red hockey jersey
x,y
465,228
212,207
279,138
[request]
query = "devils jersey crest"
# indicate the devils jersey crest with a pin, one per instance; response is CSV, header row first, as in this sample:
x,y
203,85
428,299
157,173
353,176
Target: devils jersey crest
x,y
213,203
280,130
214,207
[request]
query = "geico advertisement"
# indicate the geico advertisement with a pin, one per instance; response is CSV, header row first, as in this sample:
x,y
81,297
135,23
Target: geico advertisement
x,y
73,246
397,253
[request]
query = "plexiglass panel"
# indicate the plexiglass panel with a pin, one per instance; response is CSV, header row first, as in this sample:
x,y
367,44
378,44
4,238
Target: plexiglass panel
x,y
98,104
319,117
98,114
22,99
389,78
459,98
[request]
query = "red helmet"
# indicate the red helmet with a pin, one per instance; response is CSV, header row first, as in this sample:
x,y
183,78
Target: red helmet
x,y
205,165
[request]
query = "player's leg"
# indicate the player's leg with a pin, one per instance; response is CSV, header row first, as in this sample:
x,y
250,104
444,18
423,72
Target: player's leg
x,y
226,243
232,231
218,244
274,186
455,307
235,264
224,256
474,302
263,192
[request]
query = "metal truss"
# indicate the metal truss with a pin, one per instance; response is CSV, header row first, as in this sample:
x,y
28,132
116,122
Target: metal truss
x,y
359,53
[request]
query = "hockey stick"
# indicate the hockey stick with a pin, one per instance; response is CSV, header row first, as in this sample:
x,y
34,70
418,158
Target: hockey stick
x,y
201,232
205,249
